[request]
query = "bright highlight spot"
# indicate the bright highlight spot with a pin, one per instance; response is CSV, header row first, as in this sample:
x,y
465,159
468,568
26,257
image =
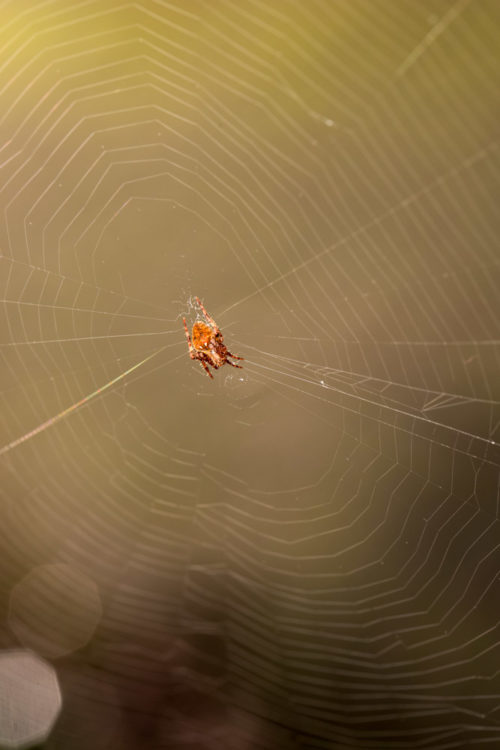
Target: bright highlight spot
x,y
30,699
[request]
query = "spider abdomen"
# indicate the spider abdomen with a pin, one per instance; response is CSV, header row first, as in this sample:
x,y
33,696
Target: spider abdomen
x,y
202,336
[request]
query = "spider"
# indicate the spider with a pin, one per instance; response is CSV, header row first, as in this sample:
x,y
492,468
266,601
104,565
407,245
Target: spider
x,y
208,343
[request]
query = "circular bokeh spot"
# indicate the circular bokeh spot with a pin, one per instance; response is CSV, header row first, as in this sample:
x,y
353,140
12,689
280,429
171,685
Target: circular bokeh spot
x,y
30,699
54,609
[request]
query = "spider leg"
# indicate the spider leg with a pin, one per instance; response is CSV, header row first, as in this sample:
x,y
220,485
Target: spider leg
x,y
207,316
206,368
191,347
234,356
233,365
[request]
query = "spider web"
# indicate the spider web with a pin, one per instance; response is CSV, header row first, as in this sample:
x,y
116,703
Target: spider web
x,y
306,552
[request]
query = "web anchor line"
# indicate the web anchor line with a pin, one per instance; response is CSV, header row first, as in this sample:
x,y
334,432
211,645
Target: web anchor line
x,y
83,402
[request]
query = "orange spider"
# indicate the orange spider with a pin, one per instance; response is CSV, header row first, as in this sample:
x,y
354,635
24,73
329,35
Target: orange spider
x,y
208,343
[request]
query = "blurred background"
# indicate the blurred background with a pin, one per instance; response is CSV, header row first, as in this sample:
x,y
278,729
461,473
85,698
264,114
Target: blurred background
x,y
304,553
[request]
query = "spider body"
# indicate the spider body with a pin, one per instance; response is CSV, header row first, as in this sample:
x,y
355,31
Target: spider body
x,y
206,343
